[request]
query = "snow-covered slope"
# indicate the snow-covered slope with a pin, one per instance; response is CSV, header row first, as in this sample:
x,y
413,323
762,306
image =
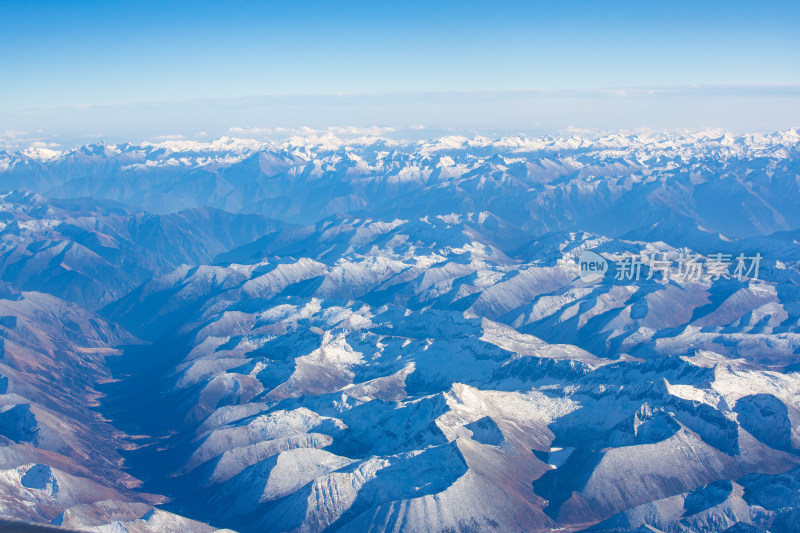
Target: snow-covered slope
x,y
567,402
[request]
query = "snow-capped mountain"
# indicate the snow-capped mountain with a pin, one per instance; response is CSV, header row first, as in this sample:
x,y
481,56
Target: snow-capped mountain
x,y
614,184
326,335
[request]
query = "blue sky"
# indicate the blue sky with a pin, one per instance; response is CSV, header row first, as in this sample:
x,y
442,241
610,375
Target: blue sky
x,y
67,65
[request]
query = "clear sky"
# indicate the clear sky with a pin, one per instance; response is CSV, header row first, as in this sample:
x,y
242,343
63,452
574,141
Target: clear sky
x,y
96,68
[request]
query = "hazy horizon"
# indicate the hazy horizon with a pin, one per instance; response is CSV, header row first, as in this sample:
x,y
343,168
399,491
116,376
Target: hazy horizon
x,y
134,72
413,115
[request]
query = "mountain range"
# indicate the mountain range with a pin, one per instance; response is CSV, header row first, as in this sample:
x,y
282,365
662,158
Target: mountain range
x,y
381,335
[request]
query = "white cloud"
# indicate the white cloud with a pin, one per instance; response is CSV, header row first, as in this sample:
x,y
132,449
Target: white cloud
x,y
17,140
306,131
172,137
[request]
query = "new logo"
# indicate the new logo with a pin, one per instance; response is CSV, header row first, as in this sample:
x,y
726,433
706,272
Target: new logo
x,y
591,266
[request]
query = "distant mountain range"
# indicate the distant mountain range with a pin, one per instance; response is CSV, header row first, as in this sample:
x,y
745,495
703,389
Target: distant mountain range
x,y
376,335
610,185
